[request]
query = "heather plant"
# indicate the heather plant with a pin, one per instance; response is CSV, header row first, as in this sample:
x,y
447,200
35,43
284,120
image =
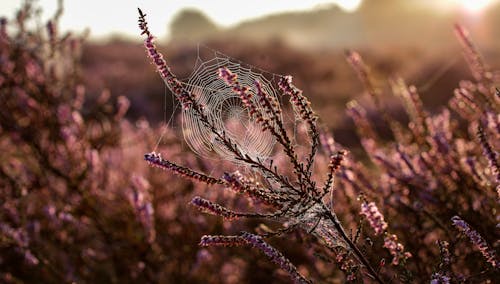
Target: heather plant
x,y
57,157
421,190
440,172
295,201
75,207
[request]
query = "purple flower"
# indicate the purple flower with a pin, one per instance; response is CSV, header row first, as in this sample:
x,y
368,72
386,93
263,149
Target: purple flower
x,y
477,240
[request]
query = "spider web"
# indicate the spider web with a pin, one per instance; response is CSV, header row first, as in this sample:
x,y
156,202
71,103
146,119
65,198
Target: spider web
x,y
225,109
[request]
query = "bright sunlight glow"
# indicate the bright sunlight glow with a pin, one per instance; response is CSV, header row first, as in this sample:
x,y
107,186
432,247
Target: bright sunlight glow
x,y
349,5
474,6
119,17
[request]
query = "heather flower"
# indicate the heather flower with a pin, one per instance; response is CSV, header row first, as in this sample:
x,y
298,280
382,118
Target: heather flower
x,y
396,249
445,253
123,106
22,242
442,276
226,241
302,108
300,102
414,107
30,258
213,208
477,240
374,217
347,265
168,77
275,256
238,183
474,59
363,125
490,154
245,96
362,70
271,121
140,200
269,102
336,161
334,164
437,278
327,142
464,103
156,160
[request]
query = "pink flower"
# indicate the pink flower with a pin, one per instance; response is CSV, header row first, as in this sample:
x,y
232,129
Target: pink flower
x,y
374,217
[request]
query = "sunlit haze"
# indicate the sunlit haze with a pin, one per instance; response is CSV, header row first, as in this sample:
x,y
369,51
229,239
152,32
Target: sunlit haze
x,y
467,6
119,17
475,6
106,18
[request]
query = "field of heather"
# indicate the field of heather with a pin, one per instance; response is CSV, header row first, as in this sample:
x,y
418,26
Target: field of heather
x,y
172,162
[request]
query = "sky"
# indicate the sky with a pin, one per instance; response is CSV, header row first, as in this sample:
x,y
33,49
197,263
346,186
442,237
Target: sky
x,y
105,17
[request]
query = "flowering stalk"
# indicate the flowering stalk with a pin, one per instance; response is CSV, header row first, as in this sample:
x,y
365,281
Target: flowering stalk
x,y
363,124
306,113
231,80
141,202
256,241
189,102
378,224
363,73
156,160
477,240
396,249
208,206
273,110
465,104
239,184
298,100
442,276
327,142
246,97
163,69
335,163
224,241
275,256
374,217
358,65
490,154
474,59
414,107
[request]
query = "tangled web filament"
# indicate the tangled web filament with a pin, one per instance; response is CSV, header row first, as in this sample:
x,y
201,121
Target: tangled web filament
x,y
227,112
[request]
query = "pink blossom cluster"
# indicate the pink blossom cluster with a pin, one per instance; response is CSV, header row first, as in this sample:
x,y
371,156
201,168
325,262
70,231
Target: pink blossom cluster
x,y
374,217
477,240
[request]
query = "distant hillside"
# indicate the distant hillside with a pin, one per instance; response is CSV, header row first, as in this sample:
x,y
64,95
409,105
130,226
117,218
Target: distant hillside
x,y
375,24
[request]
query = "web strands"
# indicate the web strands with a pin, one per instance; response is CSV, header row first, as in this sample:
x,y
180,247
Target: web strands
x,y
228,114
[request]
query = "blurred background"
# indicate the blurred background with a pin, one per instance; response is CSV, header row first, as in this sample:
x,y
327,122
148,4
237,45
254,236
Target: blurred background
x,y
413,39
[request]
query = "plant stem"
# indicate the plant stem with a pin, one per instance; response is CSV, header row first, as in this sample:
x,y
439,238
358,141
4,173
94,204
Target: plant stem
x,y
352,245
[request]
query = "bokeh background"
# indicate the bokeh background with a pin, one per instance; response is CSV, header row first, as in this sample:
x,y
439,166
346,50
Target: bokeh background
x,y
413,39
